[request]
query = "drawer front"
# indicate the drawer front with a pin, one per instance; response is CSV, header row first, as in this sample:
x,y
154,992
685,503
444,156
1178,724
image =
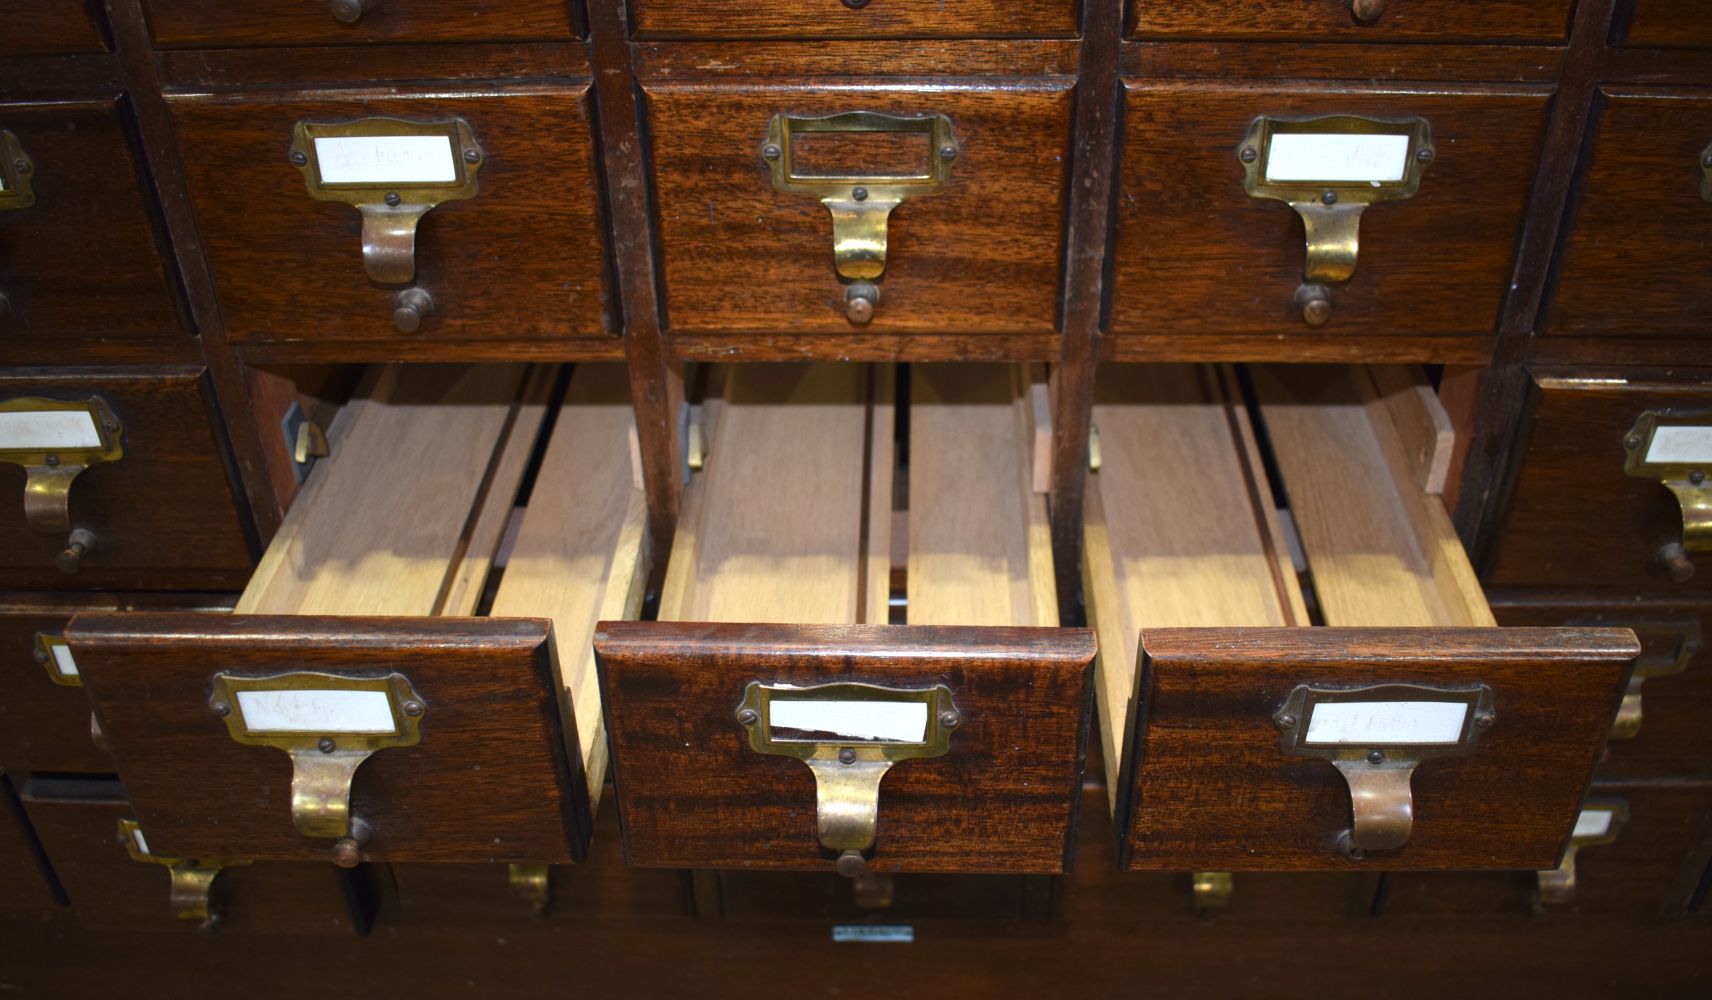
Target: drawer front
x,y
196,24
1648,863
82,258
1196,254
1661,730
110,888
44,27
162,514
24,880
994,788
1572,485
1632,264
1669,24
854,19
392,726
981,255
1355,20
522,259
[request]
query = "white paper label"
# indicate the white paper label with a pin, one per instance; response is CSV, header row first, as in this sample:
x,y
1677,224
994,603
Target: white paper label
x,y
873,721
63,662
137,838
385,159
873,933
317,711
1680,445
1339,158
1592,823
1386,723
48,430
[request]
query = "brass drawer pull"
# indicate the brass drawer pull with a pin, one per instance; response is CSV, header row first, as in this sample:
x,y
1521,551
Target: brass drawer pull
x,y
1598,823
192,878
1676,450
55,440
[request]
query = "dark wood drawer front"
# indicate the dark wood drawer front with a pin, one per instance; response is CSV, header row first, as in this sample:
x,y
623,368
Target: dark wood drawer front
x,y
854,19
1212,783
523,259
24,880
1633,261
1572,485
1196,254
43,27
84,260
1539,21
110,889
199,24
980,256
491,731
163,514
1668,24
1001,798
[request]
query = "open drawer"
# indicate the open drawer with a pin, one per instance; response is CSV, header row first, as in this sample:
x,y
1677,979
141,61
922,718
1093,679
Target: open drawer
x,y
951,743
1403,730
414,641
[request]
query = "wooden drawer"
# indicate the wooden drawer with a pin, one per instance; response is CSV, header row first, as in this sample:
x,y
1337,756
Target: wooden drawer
x,y
520,259
353,705
46,27
1661,728
25,883
1639,221
988,779
1573,484
162,514
115,882
1227,756
45,718
1198,257
1640,852
1536,21
210,24
655,19
80,255
978,254
1666,24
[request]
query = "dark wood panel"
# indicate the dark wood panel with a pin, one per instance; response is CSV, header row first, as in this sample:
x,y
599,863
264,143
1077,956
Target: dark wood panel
x,y
1003,799
853,19
214,24
1333,60
164,514
40,27
522,260
494,732
1400,20
1206,784
982,256
249,69
1669,24
25,884
82,264
775,61
1196,255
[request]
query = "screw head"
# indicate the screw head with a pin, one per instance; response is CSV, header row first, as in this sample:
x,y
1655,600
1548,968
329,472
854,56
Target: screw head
x,y
1706,161
748,716
1329,197
1425,154
771,151
1376,757
392,199
1697,477
859,193
1485,720
855,4
948,152
1285,721
53,461
326,745
347,853
846,756
1357,854
1249,154
1632,441
22,165
950,719
221,709
299,158
41,655
412,708
472,155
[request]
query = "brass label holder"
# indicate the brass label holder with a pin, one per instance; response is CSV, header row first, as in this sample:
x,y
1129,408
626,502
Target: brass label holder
x,y
16,170
849,761
55,440
860,205
192,880
391,208
1676,450
1279,164
54,654
1686,644
1376,737
329,725
1598,823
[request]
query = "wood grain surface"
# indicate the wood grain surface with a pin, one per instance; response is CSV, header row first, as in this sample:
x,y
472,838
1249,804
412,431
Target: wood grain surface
x,y
1537,21
42,27
655,19
210,24
1668,24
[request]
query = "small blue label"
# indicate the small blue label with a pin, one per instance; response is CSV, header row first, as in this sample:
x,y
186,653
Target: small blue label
x,y
894,933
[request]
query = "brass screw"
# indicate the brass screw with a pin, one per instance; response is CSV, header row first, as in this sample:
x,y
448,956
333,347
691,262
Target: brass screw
x,y
748,716
326,745
21,165
41,655
412,708
771,151
860,193
950,719
1376,757
1424,154
222,709
53,461
1285,721
948,152
846,756
1632,441
299,158
392,199
1707,161
1329,197
472,154
1697,477
1248,154
1485,720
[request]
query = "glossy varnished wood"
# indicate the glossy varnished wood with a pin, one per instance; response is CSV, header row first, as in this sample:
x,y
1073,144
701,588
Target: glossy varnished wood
x,y
25,885
655,19
52,27
1540,21
1667,24
211,24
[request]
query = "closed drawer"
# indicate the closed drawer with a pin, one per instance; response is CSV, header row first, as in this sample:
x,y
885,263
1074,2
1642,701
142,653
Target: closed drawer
x,y
973,246
354,704
854,19
25,883
199,24
43,27
80,252
948,741
114,881
511,249
45,717
1198,257
1640,221
1628,530
1660,730
1537,21
1638,851
1402,730
154,502
1668,24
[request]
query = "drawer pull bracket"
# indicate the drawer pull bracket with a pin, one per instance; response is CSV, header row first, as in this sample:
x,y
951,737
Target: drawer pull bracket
x,y
192,881
849,735
1376,737
55,440
328,725
1676,450
1598,823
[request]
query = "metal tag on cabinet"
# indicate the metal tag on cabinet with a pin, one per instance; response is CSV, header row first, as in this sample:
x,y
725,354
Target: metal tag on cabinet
x,y
54,654
192,879
54,440
1676,450
1329,170
328,725
1376,737
1597,824
15,173
849,735
393,172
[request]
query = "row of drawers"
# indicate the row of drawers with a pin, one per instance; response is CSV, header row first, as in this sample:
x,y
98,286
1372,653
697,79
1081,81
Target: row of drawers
x,y
67,27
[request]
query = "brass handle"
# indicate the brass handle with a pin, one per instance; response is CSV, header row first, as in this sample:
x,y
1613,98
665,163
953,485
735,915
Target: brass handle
x,y
77,546
1315,301
861,298
1366,11
409,308
1382,801
350,11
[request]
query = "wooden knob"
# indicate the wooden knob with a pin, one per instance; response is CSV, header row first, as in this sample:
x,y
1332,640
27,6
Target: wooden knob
x,y
860,301
1366,11
350,11
409,308
1675,561
851,864
1315,301
77,546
